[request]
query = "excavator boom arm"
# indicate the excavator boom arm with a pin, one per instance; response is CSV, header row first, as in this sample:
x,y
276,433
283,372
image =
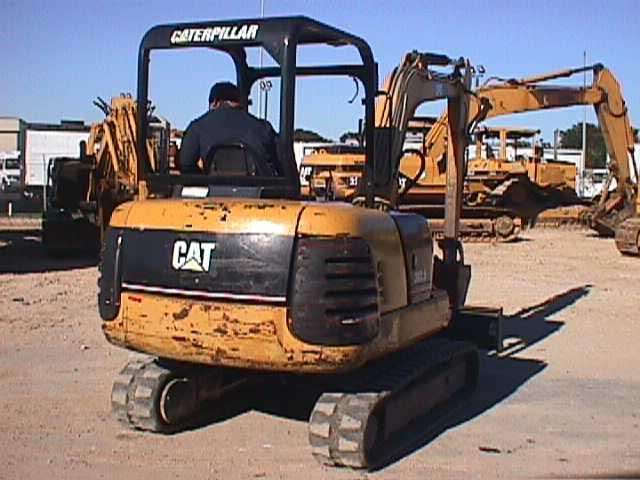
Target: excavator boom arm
x,y
410,85
604,94
527,95
511,99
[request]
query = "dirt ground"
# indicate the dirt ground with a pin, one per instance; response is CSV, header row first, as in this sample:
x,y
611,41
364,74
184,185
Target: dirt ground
x,y
562,402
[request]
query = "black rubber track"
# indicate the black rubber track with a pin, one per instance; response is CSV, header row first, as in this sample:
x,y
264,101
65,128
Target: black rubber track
x,y
344,424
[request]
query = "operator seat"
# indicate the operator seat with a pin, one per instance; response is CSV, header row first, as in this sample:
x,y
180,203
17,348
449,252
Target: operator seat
x,y
240,160
236,159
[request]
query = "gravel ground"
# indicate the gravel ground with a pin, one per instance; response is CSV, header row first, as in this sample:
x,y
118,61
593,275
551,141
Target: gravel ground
x,y
562,402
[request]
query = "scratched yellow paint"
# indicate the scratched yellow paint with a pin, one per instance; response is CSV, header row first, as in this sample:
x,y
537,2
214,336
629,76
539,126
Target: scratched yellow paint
x,y
220,333
254,336
221,215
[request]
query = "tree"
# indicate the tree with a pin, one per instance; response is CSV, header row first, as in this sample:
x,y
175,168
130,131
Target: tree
x,y
302,135
596,148
349,136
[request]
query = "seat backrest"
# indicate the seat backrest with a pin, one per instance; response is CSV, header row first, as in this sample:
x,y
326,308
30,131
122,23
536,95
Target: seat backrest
x,y
239,159
235,159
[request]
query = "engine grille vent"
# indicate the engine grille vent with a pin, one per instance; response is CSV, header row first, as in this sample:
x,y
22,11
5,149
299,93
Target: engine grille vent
x,y
334,292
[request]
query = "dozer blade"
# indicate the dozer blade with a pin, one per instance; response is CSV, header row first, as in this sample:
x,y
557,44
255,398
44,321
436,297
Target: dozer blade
x,y
575,217
365,419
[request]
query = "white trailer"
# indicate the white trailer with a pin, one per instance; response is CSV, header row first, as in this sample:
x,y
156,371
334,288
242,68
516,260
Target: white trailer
x,y
43,145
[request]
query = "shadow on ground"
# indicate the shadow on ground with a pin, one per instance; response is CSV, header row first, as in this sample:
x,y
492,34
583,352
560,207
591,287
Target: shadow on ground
x,y
500,377
519,239
597,236
21,251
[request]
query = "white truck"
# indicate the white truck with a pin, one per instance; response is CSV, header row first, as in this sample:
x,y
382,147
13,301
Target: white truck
x,y
9,170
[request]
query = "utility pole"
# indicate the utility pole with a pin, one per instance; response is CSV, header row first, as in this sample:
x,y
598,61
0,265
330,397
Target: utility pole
x,y
583,162
261,62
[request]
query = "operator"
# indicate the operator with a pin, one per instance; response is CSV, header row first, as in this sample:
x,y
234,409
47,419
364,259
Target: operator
x,y
228,123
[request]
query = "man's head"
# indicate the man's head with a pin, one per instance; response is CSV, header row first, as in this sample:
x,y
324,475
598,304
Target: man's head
x,y
224,94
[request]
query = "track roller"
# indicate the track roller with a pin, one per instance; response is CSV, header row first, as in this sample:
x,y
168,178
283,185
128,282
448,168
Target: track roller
x,y
363,423
505,227
164,398
501,229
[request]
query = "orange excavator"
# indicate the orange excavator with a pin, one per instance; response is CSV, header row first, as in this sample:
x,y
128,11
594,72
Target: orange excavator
x,y
502,97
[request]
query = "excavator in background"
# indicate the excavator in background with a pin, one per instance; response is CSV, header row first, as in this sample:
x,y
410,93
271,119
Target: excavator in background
x,y
339,167
549,177
84,191
498,210
501,97
524,183
224,278
329,167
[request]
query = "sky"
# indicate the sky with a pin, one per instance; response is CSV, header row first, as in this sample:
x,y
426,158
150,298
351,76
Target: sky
x,y
57,56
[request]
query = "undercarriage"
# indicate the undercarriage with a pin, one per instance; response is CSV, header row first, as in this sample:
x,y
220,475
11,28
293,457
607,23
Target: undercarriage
x,y
357,421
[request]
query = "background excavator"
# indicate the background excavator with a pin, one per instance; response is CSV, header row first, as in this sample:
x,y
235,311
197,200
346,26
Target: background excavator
x,y
224,277
84,191
525,95
499,196
494,210
530,182
338,167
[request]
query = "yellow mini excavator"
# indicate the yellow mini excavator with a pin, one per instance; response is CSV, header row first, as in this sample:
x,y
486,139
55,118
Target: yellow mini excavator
x,y
226,276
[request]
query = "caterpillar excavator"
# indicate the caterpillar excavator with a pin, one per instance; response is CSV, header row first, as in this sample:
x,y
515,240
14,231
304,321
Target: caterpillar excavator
x,y
84,191
494,210
222,278
339,167
503,97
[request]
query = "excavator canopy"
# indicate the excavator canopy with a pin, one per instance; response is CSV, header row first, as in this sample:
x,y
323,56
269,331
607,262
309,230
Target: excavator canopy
x,y
280,37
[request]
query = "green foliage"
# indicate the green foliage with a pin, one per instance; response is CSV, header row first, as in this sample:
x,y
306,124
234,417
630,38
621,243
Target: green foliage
x,y
302,135
596,148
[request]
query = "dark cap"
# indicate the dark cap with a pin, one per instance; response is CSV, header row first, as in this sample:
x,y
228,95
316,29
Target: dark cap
x,y
224,91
